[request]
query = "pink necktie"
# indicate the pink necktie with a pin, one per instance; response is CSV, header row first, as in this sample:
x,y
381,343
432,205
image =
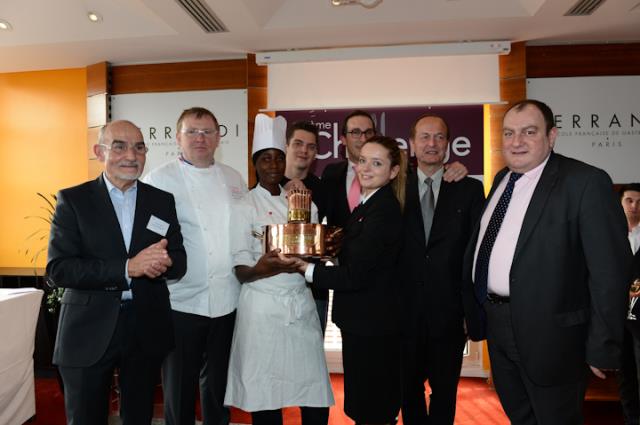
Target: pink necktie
x,y
354,192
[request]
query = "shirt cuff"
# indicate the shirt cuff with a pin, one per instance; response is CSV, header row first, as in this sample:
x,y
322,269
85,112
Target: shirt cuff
x,y
308,274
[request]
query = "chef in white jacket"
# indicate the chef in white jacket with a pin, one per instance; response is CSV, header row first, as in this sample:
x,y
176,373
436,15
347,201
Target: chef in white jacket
x,y
277,353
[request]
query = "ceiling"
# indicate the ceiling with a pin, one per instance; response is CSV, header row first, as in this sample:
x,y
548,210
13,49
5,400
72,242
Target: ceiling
x,y
52,34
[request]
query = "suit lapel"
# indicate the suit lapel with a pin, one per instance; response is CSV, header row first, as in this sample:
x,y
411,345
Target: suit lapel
x,y
104,207
538,201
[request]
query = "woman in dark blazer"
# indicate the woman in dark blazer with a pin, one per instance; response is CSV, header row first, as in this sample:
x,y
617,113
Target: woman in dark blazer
x,y
365,303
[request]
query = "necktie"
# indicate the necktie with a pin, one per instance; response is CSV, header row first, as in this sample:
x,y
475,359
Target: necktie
x,y
490,235
427,205
354,192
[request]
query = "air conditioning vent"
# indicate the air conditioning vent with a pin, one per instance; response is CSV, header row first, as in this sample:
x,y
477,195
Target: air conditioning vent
x,y
200,12
584,7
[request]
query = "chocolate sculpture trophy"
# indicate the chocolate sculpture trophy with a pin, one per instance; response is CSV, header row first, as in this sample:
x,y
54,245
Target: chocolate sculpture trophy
x,y
299,236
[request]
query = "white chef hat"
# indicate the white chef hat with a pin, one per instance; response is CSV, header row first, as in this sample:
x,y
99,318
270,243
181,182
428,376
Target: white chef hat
x,y
269,133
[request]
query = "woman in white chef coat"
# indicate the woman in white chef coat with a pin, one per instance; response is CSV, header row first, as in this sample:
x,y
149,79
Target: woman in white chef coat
x,y
277,354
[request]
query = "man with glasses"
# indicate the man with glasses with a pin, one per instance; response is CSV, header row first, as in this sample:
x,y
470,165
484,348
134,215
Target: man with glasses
x,y
340,177
357,128
114,243
204,301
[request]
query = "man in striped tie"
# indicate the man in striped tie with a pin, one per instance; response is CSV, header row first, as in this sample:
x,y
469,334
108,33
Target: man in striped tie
x,y
547,273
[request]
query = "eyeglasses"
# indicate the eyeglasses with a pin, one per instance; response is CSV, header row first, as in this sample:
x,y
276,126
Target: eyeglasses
x,y
192,133
120,147
357,133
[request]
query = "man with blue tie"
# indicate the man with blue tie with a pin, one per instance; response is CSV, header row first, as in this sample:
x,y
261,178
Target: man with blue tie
x,y
114,243
547,274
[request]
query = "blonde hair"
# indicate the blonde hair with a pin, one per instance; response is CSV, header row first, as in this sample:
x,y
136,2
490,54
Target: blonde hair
x,y
398,157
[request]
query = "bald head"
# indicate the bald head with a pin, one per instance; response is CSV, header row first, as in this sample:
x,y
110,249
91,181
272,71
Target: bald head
x,y
121,148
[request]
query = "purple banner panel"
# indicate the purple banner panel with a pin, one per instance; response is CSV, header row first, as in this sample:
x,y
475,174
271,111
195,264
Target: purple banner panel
x,y
465,125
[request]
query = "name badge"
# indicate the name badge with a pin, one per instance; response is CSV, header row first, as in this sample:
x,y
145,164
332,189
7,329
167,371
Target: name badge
x,y
158,226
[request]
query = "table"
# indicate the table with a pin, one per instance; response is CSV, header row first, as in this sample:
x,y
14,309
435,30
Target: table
x,y
19,310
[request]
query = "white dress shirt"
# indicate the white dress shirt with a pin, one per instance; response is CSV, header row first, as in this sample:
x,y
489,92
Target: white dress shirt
x,y
436,182
204,198
505,245
124,205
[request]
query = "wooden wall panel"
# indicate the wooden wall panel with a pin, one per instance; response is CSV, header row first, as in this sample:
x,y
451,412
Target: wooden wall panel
x,y
256,100
256,74
181,76
583,60
513,65
98,110
513,87
94,166
97,78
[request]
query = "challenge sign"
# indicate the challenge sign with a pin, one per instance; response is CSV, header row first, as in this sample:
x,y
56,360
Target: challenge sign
x,y
465,122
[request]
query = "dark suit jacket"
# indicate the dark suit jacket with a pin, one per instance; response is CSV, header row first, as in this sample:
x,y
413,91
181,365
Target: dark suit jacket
x,y
334,179
432,273
366,286
569,276
87,256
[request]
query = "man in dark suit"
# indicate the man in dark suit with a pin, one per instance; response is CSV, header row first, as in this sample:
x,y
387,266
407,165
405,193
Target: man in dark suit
x,y
340,180
114,241
438,219
628,374
547,273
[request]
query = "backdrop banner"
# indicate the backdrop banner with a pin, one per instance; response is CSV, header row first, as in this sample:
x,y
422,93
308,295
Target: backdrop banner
x,y
157,113
598,120
465,126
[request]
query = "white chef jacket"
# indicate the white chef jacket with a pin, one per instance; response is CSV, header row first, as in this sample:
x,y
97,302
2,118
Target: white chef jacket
x,y
277,353
204,198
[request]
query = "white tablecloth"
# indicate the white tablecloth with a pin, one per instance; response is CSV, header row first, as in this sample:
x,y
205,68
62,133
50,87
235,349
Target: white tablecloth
x,y
19,310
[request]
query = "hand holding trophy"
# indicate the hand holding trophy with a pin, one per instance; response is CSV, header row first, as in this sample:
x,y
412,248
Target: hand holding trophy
x,y
299,237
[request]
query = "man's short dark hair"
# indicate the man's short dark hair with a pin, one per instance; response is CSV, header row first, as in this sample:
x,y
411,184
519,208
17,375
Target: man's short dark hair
x,y
635,187
357,113
198,112
429,115
544,109
307,126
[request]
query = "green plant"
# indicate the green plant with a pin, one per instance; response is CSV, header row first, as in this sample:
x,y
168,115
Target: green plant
x,y
38,241
40,236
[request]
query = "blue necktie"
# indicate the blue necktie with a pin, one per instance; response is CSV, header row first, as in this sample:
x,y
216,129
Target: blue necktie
x,y
490,235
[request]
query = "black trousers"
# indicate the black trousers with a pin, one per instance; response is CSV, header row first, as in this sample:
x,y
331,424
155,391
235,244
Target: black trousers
x,y
310,416
437,359
201,355
628,378
524,402
87,389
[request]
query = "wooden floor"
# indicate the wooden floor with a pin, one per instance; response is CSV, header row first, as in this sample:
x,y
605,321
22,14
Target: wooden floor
x,y
477,404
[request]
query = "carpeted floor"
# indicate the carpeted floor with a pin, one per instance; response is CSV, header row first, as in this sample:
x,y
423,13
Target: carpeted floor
x,y
477,405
